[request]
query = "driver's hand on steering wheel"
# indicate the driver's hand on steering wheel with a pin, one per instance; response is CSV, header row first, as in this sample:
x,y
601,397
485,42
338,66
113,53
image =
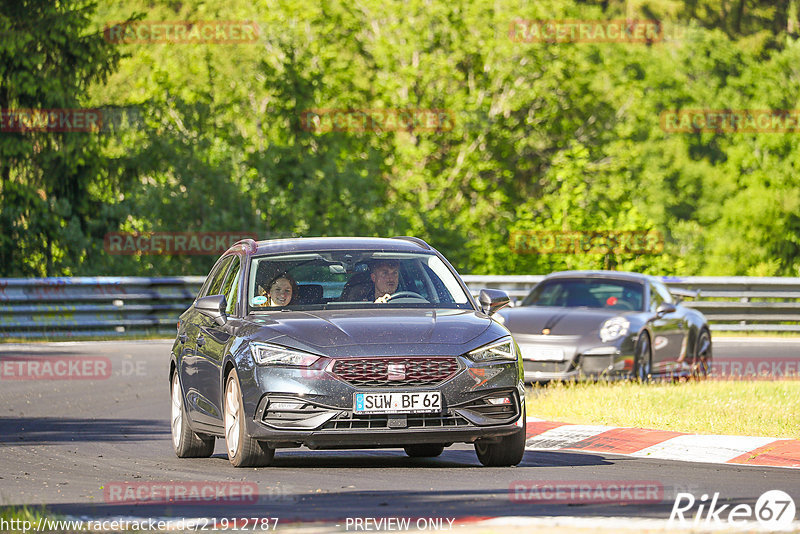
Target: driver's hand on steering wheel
x,y
384,299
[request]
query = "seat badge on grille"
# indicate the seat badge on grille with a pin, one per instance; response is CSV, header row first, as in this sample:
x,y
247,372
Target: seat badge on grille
x,y
396,371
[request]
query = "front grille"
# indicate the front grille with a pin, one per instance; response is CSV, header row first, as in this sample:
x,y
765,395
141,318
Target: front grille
x,y
424,420
405,372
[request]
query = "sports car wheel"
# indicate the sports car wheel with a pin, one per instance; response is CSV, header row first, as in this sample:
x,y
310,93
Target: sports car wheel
x,y
643,366
504,453
424,450
243,451
187,444
701,363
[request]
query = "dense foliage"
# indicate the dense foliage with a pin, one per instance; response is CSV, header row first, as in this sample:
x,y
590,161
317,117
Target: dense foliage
x,y
545,135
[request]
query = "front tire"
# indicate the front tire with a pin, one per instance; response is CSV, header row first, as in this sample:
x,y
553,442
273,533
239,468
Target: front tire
x,y
186,443
643,366
701,363
424,450
504,453
243,451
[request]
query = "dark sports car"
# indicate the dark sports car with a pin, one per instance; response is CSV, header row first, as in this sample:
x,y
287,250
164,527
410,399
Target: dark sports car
x,y
577,324
336,343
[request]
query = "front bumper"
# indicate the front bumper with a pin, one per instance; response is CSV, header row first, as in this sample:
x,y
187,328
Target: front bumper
x,y
382,438
314,408
286,421
614,363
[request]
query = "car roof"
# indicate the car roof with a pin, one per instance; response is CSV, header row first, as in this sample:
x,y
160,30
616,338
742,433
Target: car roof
x,y
313,244
613,275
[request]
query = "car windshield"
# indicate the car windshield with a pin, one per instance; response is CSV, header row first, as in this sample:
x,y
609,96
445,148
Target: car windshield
x,y
352,279
587,293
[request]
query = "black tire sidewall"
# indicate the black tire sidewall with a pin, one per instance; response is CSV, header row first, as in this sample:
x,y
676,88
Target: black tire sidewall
x,y
639,365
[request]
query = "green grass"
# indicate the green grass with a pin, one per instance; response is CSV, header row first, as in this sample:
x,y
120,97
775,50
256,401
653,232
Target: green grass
x,y
22,513
744,408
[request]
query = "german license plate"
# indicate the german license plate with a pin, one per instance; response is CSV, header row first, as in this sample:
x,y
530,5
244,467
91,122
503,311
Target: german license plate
x,y
539,353
396,402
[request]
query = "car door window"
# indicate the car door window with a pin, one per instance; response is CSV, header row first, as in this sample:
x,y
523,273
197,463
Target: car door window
x,y
214,280
231,286
663,292
655,298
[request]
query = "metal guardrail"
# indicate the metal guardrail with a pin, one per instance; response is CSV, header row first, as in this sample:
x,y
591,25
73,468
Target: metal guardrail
x,y
108,306
93,307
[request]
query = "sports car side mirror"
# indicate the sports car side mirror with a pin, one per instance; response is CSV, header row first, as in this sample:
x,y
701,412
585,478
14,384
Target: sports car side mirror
x,y
213,306
664,308
492,300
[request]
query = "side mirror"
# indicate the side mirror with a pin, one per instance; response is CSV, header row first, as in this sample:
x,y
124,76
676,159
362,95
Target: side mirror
x,y
213,306
492,300
664,308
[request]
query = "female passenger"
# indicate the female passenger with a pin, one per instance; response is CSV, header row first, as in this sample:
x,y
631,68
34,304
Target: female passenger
x,y
280,291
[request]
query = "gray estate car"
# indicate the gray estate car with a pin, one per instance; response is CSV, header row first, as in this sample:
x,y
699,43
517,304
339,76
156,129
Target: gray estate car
x,y
343,364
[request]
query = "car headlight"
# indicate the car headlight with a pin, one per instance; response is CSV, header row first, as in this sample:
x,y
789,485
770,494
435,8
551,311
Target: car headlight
x,y
497,351
265,354
614,328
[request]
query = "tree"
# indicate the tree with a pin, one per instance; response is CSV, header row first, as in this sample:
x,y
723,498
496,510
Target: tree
x,y
51,182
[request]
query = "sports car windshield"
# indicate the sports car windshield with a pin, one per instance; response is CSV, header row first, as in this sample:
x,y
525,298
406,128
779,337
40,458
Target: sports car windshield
x,y
587,293
352,279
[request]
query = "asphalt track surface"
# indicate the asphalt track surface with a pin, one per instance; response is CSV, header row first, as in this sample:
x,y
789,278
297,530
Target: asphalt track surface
x,y
64,443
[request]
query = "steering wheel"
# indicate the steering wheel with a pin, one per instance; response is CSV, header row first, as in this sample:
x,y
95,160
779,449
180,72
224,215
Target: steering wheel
x,y
406,294
623,305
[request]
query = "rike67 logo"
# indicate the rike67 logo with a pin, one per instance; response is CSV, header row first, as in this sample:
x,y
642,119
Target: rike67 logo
x,y
774,509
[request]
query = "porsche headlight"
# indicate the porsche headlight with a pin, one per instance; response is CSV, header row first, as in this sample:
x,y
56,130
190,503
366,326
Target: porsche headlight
x,y
265,354
614,328
498,351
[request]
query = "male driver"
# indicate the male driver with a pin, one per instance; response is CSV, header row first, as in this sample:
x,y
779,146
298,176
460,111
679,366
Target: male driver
x,y
385,276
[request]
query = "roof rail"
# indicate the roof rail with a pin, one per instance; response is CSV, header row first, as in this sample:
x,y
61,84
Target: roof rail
x,y
416,240
247,243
